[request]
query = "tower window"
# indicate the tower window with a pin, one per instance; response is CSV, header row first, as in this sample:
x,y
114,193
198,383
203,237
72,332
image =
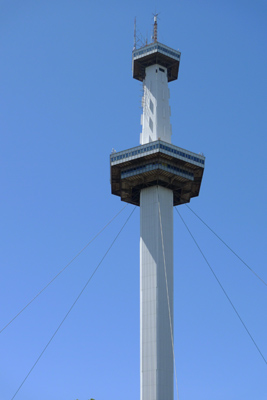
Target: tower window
x,y
162,70
151,124
151,105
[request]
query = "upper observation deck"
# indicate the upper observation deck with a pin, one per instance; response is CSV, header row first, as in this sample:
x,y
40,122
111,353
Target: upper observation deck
x,y
155,53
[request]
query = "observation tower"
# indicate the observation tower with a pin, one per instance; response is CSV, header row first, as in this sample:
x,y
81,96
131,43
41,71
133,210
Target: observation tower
x,y
156,175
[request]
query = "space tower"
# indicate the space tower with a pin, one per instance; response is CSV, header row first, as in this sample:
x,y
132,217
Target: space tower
x,y
156,175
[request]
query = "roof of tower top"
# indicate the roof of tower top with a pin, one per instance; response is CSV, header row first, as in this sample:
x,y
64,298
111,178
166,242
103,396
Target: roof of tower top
x,y
155,53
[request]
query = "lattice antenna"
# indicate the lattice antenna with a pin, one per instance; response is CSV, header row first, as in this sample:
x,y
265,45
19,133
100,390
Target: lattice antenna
x,y
155,29
139,40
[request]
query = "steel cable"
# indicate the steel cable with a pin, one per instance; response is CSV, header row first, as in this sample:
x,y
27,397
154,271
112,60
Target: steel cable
x,y
227,246
168,299
221,286
73,304
60,272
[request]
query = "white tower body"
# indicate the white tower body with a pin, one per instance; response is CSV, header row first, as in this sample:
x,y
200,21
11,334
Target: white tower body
x,y
155,119
156,303
156,222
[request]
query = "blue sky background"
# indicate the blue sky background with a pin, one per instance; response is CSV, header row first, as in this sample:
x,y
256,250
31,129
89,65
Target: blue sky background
x,y
67,98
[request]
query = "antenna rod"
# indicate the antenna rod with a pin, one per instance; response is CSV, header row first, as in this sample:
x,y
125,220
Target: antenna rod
x,y
134,33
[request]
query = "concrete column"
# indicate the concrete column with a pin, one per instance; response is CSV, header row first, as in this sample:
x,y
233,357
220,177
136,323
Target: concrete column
x,y
155,336
155,119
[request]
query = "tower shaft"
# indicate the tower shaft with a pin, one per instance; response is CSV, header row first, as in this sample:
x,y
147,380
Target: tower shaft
x,y
156,251
156,303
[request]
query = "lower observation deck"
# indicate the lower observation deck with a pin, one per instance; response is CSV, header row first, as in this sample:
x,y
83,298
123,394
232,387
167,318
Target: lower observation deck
x,y
156,163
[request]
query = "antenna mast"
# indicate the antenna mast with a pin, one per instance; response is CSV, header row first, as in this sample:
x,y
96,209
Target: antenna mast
x,y
155,30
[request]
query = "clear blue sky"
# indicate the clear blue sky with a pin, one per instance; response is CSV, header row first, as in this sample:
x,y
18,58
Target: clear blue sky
x,y
67,98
